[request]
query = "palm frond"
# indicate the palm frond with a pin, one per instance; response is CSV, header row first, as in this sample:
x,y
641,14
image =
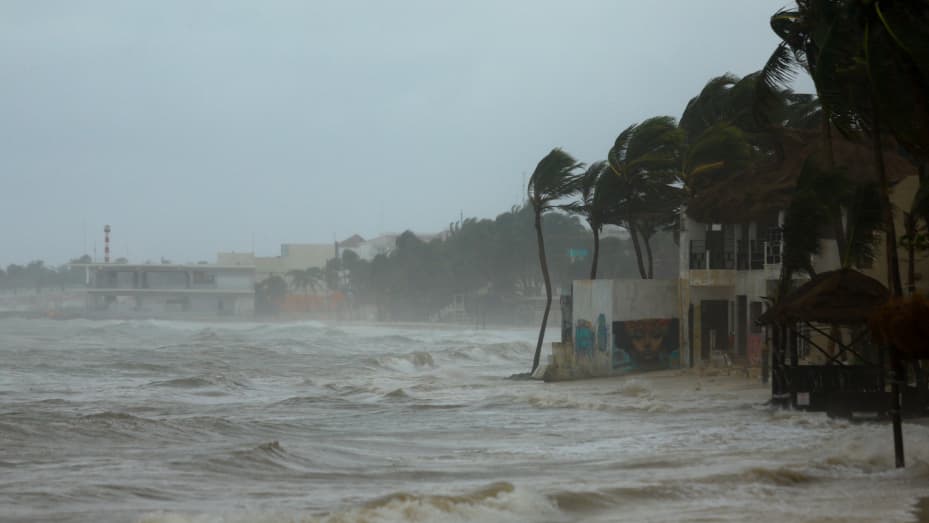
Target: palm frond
x,y
721,144
706,109
773,79
552,179
617,154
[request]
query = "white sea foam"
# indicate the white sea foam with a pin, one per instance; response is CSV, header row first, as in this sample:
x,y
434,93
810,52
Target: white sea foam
x,y
497,503
304,422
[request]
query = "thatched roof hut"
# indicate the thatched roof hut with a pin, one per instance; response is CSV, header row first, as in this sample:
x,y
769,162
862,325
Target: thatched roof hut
x,y
756,193
841,297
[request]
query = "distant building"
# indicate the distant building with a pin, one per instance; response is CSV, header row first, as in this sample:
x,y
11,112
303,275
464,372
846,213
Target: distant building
x,y
368,249
294,256
301,256
170,290
383,244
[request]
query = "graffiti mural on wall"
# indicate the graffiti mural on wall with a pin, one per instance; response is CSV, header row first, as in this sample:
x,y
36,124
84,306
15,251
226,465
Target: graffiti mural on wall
x,y
583,338
587,337
645,344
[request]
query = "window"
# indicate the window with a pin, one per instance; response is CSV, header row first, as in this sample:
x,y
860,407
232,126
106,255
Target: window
x,y
201,278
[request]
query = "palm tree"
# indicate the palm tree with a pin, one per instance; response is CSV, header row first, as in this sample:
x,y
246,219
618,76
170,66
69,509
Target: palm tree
x,y
799,51
307,279
895,40
592,205
844,45
646,158
552,180
869,63
818,191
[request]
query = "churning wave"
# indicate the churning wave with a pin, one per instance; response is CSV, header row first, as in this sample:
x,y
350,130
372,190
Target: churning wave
x,y
500,502
195,382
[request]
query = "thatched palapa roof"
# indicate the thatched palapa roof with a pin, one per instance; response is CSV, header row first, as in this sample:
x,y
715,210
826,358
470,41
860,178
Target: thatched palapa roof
x,y
844,297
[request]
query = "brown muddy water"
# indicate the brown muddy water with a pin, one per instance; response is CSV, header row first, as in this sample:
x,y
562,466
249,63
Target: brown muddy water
x,y
148,421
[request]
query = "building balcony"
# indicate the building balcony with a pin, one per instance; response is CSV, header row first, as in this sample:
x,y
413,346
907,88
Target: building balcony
x,y
734,256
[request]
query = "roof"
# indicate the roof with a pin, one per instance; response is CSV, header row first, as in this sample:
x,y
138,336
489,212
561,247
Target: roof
x,y
352,241
164,267
113,291
843,296
752,194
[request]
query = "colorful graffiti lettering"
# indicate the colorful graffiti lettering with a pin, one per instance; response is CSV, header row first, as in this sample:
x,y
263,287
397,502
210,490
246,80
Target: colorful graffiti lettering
x,y
583,338
650,344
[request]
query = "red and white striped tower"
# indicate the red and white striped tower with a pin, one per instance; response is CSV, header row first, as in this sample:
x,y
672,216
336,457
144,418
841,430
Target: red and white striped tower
x,y
106,244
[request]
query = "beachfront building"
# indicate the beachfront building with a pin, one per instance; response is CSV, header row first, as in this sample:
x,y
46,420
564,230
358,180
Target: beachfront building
x,y
726,272
730,253
170,290
731,248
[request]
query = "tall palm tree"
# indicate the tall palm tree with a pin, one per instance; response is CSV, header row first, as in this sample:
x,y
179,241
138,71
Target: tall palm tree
x,y
845,44
552,180
592,205
870,65
799,51
646,158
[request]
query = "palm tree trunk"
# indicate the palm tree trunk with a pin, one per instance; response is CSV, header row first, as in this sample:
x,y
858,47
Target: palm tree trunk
x,y
548,290
837,227
890,228
648,253
909,224
638,250
593,263
896,289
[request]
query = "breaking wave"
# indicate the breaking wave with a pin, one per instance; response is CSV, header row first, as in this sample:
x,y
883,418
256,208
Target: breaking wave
x,y
406,362
496,503
194,382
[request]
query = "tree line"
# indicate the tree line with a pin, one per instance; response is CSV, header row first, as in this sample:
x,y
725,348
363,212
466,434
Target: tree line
x,y
36,276
490,263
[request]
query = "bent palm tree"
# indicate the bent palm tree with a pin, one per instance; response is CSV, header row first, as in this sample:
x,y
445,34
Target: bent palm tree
x,y
646,158
591,205
552,180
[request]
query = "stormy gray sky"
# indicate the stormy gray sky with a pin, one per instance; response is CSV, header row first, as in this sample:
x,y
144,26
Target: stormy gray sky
x,y
198,126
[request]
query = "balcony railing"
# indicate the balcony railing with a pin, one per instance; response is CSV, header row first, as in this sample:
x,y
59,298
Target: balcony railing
x,y
736,257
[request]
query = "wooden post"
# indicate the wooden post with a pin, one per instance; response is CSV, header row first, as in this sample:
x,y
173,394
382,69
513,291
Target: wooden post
x,y
897,376
794,360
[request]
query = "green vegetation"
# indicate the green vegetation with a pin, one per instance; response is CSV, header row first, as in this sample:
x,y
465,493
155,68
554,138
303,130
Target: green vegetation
x,y
492,264
37,276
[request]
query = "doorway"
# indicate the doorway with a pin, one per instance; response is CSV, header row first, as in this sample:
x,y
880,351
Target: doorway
x,y
714,327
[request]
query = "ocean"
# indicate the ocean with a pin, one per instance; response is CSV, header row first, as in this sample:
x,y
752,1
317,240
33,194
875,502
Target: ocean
x,y
159,421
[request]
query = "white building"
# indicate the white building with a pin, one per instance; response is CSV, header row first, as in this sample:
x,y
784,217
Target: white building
x,y
294,256
170,290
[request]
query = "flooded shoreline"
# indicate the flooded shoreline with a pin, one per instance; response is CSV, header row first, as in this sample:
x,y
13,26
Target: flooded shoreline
x,y
169,421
